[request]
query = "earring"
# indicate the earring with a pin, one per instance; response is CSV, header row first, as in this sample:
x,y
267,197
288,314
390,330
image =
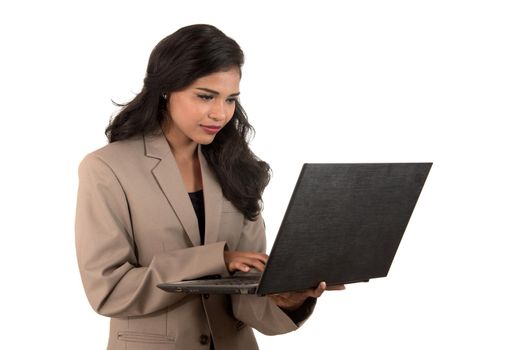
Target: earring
x,y
164,96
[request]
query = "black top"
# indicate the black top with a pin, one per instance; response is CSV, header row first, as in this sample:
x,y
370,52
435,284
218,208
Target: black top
x,y
197,199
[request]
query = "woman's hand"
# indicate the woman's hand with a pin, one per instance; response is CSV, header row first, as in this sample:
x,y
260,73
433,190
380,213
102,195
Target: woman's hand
x,y
291,301
244,261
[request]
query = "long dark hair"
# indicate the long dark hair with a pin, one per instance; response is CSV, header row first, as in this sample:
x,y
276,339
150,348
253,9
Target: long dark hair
x,y
175,63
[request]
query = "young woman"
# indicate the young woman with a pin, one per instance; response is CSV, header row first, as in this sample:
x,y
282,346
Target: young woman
x,y
176,195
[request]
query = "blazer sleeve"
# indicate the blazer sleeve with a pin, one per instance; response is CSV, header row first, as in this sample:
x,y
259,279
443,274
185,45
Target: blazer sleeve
x,y
262,313
115,284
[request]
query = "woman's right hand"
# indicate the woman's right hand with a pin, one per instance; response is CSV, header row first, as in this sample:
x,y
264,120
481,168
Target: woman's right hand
x,y
244,261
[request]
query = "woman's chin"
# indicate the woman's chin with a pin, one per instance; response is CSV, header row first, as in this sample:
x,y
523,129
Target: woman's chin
x,y
205,140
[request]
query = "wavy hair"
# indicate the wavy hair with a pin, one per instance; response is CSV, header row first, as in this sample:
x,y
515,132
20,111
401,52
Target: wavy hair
x,y
175,63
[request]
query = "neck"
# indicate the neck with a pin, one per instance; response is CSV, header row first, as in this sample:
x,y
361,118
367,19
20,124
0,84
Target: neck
x,y
186,156
184,152
182,147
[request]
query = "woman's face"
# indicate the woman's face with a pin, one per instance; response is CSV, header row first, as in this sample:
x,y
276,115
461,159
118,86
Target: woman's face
x,y
197,113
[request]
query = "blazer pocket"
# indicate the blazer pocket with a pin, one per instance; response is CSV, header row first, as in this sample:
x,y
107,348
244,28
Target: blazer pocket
x,y
148,338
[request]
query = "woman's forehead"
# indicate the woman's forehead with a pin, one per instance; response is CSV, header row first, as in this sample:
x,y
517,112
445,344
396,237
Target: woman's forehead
x,y
226,82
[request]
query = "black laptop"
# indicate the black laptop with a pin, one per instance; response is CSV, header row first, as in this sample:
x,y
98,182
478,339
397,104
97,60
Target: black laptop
x,y
343,224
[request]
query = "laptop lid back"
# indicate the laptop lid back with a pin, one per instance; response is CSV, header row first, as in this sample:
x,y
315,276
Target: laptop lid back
x,y
343,224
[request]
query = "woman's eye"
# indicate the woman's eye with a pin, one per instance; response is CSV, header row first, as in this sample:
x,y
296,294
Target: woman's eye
x,y
231,100
205,97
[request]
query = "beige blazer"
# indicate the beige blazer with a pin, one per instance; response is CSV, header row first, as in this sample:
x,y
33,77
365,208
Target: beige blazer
x,y
136,228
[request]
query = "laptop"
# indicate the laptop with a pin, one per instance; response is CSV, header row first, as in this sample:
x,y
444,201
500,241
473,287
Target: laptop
x,y
343,224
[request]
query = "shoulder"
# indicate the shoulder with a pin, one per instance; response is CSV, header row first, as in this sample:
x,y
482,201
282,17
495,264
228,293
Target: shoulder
x,y
119,151
115,155
116,150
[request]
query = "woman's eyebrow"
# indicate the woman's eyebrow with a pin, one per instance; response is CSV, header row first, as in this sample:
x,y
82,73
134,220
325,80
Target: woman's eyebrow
x,y
216,92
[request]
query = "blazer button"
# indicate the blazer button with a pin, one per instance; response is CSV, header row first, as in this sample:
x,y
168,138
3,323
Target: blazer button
x,y
204,339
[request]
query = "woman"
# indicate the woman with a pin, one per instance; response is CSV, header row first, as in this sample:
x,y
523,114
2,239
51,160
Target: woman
x,y
176,195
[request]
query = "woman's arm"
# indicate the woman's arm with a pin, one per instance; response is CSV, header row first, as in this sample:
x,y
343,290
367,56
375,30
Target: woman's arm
x,y
114,282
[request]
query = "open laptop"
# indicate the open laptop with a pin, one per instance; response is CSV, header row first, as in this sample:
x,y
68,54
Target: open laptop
x,y
343,224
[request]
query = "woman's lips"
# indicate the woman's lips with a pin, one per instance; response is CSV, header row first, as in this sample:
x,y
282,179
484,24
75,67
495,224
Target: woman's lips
x,y
211,129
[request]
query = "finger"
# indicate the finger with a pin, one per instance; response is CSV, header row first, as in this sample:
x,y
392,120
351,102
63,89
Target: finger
x,y
254,263
262,257
238,266
312,292
317,292
245,265
236,255
255,255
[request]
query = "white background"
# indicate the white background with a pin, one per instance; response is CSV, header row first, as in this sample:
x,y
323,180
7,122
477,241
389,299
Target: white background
x,y
370,81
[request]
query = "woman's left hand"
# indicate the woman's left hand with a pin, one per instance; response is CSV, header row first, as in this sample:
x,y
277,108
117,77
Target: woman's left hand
x,y
291,301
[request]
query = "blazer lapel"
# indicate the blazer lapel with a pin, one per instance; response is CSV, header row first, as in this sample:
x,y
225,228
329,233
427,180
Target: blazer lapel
x,y
170,181
212,199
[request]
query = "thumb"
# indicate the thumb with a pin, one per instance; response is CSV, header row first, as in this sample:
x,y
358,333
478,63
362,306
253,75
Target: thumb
x,y
319,290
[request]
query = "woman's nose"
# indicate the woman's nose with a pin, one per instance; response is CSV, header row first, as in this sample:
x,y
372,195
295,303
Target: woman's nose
x,y
218,111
